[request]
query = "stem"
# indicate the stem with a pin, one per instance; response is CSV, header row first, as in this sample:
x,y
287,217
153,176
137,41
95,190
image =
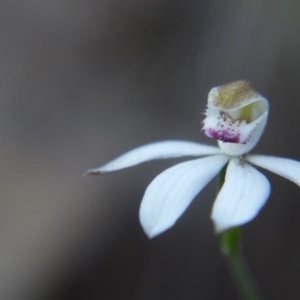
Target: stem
x,y
231,249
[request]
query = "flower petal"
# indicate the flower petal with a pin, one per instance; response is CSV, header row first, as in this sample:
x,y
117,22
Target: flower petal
x,y
243,194
158,150
285,167
171,192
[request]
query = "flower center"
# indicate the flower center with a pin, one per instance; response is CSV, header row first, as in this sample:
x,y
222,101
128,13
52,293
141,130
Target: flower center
x,y
235,114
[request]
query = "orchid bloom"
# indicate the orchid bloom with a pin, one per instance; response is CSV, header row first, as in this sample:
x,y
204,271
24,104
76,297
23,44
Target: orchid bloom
x,y
236,116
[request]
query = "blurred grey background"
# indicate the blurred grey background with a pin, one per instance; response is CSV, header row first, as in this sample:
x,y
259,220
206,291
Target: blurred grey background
x,y
84,81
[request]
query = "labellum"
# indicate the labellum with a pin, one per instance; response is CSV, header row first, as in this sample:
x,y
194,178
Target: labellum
x,y
236,116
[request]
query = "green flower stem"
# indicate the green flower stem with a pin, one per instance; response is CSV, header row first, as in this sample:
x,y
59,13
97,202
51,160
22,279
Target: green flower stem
x,y
231,249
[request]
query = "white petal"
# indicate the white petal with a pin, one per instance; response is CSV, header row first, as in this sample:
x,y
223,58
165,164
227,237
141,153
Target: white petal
x,y
285,167
243,194
158,150
171,192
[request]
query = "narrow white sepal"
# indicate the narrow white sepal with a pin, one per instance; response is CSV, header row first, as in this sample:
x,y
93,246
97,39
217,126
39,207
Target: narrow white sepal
x,y
243,194
285,167
171,192
158,150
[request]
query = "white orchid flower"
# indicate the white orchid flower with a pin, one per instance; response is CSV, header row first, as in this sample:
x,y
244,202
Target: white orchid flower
x,y
236,116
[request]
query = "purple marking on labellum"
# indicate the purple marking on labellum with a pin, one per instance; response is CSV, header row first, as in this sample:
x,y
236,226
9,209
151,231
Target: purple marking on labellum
x,y
223,135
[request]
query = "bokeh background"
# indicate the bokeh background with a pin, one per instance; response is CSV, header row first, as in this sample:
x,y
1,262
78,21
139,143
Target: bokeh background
x,y
84,81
